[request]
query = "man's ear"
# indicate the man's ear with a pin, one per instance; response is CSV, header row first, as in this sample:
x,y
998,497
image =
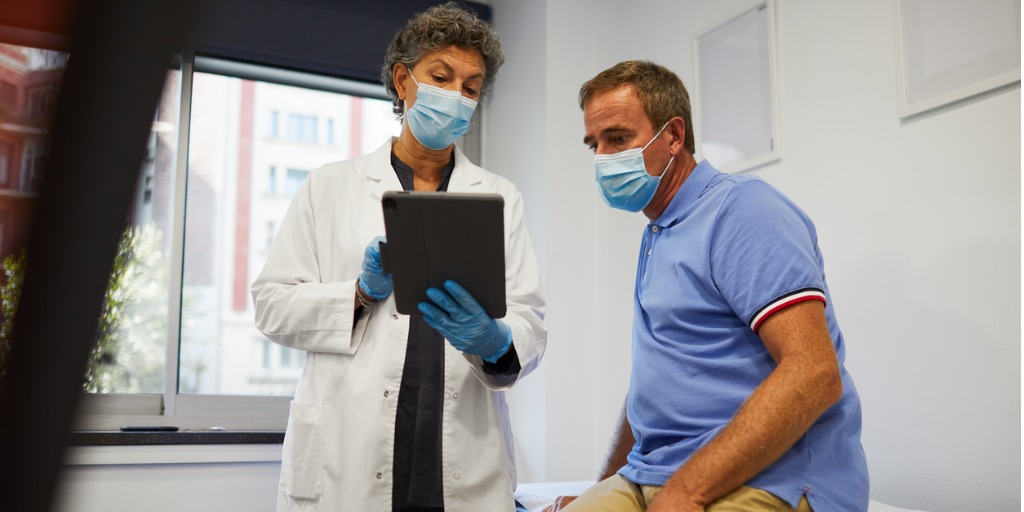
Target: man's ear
x,y
678,129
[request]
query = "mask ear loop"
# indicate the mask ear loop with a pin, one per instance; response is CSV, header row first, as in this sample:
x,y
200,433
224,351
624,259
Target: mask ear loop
x,y
663,171
656,135
670,160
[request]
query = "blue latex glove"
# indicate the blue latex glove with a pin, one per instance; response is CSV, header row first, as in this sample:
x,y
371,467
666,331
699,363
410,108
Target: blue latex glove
x,y
461,319
373,281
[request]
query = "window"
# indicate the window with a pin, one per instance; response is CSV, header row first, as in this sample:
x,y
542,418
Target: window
x,y
301,128
204,363
294,181
228,169
271,233
40,100
5,162
8,93
130,353
272,124
330,131
272,180
33,159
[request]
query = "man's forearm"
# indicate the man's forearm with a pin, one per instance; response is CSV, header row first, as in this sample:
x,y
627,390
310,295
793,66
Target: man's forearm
x,y
622,443
768,424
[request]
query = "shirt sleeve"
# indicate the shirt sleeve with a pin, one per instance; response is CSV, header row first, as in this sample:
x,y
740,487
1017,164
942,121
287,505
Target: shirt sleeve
x,y
764,253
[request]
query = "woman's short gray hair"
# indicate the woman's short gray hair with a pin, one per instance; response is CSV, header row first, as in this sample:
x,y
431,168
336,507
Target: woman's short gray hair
x,y
436,28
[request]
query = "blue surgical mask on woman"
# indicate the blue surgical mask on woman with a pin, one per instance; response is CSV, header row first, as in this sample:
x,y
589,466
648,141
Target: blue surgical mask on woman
x,y
623,179
439,116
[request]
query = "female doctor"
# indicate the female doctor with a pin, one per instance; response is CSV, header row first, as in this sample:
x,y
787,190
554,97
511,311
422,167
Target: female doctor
x,y
394,412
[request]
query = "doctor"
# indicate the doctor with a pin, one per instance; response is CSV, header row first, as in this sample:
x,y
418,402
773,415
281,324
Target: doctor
x,y
396,412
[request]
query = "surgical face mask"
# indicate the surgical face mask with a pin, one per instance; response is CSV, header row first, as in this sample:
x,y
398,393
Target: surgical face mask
x,y
623,179
439,116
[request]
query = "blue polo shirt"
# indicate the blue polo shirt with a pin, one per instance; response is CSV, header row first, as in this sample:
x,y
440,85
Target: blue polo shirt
x,y
727,253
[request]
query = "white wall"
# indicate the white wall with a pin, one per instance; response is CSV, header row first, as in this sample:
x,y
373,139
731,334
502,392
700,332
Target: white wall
x,y
919,223
221,478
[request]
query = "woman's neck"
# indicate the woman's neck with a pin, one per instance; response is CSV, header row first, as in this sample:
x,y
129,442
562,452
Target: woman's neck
x,y
426,164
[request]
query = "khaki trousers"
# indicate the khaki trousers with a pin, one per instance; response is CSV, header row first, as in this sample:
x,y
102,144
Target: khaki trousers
x,y
616,494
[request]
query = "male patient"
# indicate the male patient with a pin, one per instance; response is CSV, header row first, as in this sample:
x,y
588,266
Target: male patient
x,y
738,400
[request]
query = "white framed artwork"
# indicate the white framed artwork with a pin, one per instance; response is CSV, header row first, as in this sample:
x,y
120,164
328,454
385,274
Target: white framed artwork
x,y
737,110
949,50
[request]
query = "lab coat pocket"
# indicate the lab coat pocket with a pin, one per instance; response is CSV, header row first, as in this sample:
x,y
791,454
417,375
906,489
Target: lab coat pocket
x,y
301,460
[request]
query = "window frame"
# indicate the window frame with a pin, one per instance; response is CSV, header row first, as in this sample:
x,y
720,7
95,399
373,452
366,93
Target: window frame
x,y
105,412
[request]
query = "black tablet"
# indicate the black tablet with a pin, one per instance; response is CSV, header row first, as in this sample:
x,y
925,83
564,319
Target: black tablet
x,y
434,236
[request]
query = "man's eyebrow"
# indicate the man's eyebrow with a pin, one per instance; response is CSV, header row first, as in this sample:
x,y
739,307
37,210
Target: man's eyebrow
x,y
588,139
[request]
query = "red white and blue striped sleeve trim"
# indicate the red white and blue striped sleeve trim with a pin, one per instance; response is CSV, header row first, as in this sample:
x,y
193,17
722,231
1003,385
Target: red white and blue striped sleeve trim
x,y
783,302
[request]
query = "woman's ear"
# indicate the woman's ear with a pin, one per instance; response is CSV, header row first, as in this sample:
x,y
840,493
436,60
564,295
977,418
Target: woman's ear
x,y
399,74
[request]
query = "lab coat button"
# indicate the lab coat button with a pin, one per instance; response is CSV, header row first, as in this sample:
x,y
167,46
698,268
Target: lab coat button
x,y
387,394
394,317
456,476
455,396
380,475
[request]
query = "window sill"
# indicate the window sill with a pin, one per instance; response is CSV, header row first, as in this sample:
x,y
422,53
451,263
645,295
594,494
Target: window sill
x,y
117,438
121,448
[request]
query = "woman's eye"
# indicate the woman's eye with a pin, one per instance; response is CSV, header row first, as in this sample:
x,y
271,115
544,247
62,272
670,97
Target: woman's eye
x,y
472,93
439,79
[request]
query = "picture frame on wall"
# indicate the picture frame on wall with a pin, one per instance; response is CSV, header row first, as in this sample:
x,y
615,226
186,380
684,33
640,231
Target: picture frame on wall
x,y
736,92
950,50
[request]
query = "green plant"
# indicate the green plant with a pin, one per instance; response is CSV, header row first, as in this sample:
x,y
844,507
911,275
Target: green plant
x,y
128,354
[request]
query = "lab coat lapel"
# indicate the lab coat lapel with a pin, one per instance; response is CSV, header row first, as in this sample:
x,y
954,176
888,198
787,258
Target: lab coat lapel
x,y
381,175
466,177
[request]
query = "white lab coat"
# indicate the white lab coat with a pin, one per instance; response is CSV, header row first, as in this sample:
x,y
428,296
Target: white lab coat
x,y
339,445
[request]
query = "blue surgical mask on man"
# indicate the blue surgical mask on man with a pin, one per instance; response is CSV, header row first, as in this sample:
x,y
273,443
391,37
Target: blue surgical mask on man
x,y
623,179
439,116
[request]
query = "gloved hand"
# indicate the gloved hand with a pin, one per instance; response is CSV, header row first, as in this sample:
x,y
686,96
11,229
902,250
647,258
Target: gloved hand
x,y
373,281
461,319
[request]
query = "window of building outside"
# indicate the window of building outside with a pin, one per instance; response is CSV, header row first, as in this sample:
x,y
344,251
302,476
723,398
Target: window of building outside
x,y
5,161
199,230
272,180
8,94
301,128
294,180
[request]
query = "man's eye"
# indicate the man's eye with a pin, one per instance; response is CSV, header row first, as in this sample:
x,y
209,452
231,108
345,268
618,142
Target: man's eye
x,y
592,148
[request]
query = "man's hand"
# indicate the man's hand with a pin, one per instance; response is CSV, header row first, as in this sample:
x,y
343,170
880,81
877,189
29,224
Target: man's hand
x,y
560,503
670,500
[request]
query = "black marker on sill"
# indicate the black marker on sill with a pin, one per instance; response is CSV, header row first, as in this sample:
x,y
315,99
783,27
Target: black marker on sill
x,y
144,428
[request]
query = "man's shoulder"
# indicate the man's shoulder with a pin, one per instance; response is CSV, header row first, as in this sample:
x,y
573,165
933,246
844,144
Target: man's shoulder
x,y
747,192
